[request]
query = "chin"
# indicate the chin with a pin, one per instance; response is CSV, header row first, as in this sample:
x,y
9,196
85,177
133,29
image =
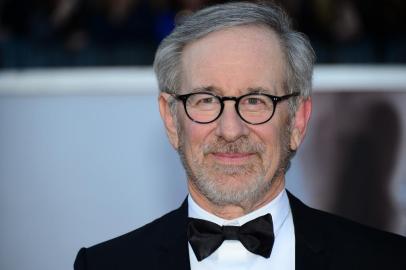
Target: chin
x,y
237,190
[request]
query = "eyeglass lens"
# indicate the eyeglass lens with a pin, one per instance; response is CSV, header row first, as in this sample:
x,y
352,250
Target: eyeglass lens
x,y
253,108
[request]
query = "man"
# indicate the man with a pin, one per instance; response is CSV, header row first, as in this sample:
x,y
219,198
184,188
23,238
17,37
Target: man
x,y
235,84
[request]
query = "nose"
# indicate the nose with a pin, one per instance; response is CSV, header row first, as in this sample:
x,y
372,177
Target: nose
x,y
230,126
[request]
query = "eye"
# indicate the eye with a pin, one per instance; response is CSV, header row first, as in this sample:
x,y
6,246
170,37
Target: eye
x,y
207,100
203,101
254,101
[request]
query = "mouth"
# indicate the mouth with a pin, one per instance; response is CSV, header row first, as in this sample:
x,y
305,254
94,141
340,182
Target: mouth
x,y
232,158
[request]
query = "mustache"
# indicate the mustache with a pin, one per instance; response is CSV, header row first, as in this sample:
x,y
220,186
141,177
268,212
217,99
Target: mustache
x,y
241,145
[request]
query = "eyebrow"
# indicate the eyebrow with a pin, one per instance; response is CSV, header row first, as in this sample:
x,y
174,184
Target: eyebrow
x,y
217,91
258,90
209,89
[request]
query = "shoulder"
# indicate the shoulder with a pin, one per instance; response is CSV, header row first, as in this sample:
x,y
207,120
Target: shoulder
x,y
347,240
353,232
134,248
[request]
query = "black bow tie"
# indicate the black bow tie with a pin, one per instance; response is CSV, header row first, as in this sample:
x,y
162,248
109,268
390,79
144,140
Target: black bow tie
x,y
256,236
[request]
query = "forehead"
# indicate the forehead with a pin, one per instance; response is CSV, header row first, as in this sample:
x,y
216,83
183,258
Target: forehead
x,y
233,60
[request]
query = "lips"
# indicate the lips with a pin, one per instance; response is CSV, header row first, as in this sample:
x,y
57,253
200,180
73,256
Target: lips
x,y
232,158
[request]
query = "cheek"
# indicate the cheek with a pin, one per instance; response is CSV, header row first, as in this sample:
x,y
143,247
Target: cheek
x,y
195,135
270,136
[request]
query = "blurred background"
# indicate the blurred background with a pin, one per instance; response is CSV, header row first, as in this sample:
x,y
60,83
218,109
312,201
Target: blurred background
x,y
50,33
83,153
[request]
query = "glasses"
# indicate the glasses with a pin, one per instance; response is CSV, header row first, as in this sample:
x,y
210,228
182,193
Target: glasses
x,y
253,108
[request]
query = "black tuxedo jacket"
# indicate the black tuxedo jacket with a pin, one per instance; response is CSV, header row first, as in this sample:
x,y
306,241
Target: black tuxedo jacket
x,y
323,241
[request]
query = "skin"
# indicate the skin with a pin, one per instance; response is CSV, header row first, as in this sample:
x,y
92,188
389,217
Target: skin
x,y
232,62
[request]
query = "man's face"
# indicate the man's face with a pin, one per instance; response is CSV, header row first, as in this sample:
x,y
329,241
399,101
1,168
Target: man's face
x,y
228,161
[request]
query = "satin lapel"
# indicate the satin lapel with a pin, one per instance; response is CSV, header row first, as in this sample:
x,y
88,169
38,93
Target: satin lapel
x,y
311,252
174,252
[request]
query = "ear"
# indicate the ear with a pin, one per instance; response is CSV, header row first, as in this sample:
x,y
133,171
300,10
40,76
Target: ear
x,y
168,119
300,122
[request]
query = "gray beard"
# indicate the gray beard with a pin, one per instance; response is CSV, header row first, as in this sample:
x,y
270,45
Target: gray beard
x,y
220,192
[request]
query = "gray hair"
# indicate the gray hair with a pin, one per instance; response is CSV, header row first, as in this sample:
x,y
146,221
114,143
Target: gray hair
x,y
298,52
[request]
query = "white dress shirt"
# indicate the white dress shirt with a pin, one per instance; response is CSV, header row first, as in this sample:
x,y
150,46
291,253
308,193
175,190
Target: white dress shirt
x,y
232,255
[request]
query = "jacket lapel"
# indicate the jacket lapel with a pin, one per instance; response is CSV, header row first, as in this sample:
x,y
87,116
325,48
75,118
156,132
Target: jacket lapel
x,y
311,252
173,249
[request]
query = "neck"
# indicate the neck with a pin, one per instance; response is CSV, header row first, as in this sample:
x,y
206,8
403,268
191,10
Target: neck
x,y
231,211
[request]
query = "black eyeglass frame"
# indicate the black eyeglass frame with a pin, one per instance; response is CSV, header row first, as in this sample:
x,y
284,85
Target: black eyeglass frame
x,y
275,100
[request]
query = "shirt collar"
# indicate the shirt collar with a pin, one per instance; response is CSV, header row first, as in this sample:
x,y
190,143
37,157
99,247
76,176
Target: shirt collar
x,y
279,209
